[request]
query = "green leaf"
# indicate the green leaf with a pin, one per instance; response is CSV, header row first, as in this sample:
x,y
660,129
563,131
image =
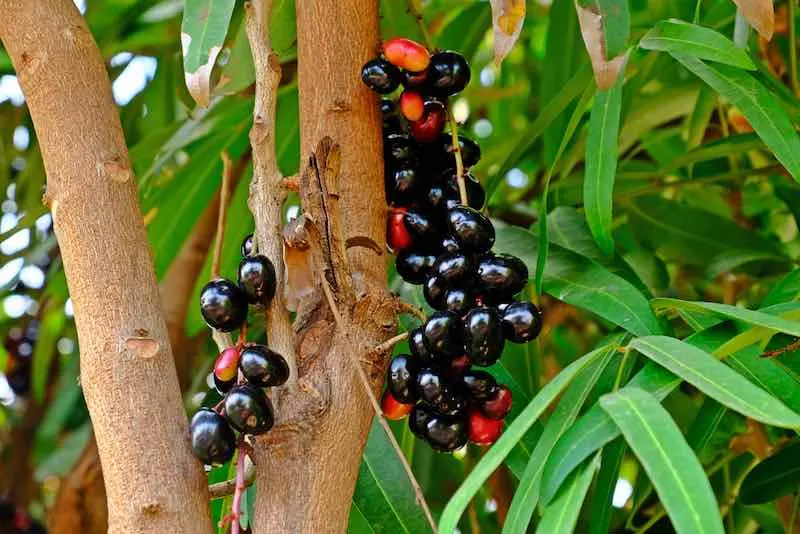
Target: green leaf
x,y
690,235
787,288
768,375
757,104
50,329
513,433
397,21
757,318
384,495
704,426
601,507
716,380
773,478
601,163
669,462
203,31
594,429
527,494
283,28
467,29
615,23
561,515
583,283
572,125
677,36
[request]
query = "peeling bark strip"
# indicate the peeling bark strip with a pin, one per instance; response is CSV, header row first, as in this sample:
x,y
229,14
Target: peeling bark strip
x,y
153,482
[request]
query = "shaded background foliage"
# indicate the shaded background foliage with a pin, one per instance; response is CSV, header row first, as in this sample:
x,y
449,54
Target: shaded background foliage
x,y
704,209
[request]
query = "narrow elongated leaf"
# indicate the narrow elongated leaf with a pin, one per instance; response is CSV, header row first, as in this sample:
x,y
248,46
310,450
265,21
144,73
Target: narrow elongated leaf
x,y
205,25
757,318
716,380
607,478
49,331
494,457
601,164
604,22
594,429
561,516
768,375
466,31
757,104
384,496
704,426
775,477
583,283
675,35
507,19
787,288
527,494
669,462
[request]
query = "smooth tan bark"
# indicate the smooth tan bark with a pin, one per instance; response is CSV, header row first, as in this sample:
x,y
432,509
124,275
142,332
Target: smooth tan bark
x,y
153,482
308,464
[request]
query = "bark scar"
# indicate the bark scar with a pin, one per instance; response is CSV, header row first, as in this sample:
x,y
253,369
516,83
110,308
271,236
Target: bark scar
x,y
142,347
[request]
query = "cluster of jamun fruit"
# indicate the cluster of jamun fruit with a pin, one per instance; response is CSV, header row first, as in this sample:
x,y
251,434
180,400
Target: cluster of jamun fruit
x,y
241,372
445,245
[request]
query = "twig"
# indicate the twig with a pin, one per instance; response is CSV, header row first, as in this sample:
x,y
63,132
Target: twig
x,y
387,345
402,306
227,487
379,413
791,347
236,508
415,10
267,192
221,214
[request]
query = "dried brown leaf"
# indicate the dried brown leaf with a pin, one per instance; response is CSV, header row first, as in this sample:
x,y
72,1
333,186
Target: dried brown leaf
x,y
760,14
507,19
606,72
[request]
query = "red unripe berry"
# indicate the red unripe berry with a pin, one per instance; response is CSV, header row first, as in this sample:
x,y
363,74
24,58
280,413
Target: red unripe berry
x,y
227,364
406,54
392,408
412,105
498,406
430,126
482,430
397,235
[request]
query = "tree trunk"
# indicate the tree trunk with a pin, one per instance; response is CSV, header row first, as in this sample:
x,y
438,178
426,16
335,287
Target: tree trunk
x,y
307,466
153,482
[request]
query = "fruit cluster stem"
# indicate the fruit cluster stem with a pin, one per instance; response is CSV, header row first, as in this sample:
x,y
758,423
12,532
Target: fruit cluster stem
x,y
221,214
462,186
238,492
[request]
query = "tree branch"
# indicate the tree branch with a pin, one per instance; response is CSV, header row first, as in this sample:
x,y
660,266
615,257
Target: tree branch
x,y
153,482
267,193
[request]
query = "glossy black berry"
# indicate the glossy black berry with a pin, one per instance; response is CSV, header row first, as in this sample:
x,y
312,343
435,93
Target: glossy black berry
x,y
445,433
418,419
522,322
402,378
416,345
263,367
443,334
247,246
450,245
429,385
257,279
454,268
380,76
19,380
434,292
459,300
501,277
483,335
213,441
390,117
248,410
421,227
473,230
481,385
399,150
448,73
401,184
415,80
452,402
223,305
414,267
476,196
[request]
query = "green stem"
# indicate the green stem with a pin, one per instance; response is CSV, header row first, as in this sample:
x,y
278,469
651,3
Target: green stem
x,y
696,18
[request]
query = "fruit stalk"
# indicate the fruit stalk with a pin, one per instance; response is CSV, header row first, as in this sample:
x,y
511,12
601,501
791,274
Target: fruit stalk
x,y
224,192
238,491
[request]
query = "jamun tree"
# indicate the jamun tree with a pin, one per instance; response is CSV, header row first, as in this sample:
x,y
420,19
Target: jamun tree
x,y
399,266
